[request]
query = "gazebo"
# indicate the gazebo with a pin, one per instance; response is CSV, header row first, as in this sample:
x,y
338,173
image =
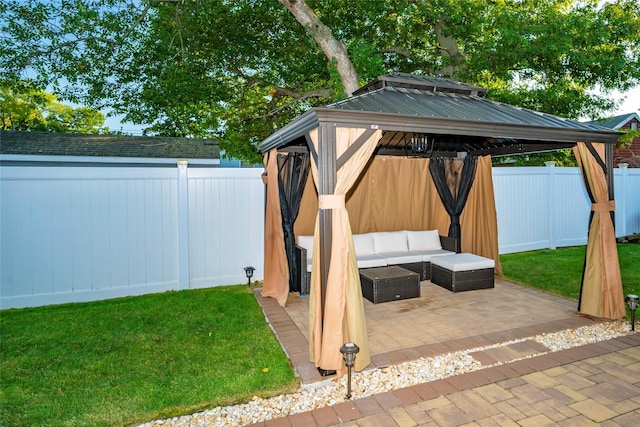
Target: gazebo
x,y
412,137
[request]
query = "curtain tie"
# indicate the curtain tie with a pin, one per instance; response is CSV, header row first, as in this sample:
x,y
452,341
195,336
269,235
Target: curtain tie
x,y
331,201
607,206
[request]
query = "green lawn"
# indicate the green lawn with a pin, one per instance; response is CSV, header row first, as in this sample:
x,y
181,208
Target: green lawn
x,y
559,271
130,360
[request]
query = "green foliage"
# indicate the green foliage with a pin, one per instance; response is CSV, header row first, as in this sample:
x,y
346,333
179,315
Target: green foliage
x,y
548,55
561,157
366,60
628,135
37,110
238,70
130,360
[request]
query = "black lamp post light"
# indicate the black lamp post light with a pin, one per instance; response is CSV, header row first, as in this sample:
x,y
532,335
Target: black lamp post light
x,y
249,272
632,303
349,351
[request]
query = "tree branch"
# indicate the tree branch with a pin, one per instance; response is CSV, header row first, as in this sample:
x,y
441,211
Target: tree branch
x,y
301,96
332,48
138,21
279,91
112,42
80,40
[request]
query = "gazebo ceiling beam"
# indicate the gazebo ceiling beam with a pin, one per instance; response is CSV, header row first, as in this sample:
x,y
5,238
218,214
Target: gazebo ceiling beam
x,y
401,151
399,143
294,149
516,149
480,149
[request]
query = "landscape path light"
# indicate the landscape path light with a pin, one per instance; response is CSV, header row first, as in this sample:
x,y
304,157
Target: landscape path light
x,y
349,351
632,302
249,272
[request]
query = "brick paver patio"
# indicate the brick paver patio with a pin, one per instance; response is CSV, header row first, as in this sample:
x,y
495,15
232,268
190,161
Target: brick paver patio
x,y
593,384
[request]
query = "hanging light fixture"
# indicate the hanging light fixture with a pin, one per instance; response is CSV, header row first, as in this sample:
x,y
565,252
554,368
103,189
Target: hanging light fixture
x,y
632,303
349,351
419,144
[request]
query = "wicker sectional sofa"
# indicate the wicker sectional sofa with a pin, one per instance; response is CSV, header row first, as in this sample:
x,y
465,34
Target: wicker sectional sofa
x,y
408,249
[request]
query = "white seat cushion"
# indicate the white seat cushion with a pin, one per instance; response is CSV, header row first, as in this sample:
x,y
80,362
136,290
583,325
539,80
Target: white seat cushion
x,y
428,240
426,255
369,261
306,242
390,241
363,244
462,262
394,258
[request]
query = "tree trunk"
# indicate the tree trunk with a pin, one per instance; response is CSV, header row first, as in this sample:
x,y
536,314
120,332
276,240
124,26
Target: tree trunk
x,y
448,46
333,49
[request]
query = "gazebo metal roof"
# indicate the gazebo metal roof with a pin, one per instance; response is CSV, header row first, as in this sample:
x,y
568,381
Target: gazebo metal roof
x,y
452,117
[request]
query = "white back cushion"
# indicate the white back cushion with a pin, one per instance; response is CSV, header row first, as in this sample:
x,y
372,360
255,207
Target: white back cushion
x,y
363,243
428,240
390,241
307,243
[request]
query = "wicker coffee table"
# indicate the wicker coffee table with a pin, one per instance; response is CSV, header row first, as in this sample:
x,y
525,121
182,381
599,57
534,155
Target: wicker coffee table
x,y
382,284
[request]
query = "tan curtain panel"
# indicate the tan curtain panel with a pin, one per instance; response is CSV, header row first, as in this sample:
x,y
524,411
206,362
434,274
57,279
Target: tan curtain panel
x,y
276,273
306,222
479,220
601,294
396,193
393,193
343,319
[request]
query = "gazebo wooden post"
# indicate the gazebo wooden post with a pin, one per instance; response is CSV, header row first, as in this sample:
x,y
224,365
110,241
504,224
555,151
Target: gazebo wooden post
x,y
327,177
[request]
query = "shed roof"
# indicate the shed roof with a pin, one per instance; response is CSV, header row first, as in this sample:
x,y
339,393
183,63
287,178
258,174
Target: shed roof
x,y
67,144
452,116
616,122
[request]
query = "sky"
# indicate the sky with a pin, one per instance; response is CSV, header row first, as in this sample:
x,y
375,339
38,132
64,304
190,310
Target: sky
x,y
630,105
115,123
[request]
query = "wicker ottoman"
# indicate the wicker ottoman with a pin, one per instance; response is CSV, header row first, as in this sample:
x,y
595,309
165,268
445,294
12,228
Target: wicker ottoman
x,y
382,284
462,272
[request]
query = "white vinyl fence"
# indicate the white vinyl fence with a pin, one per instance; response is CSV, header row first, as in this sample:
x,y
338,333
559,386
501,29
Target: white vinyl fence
x,y
81,233
84,233
548,207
